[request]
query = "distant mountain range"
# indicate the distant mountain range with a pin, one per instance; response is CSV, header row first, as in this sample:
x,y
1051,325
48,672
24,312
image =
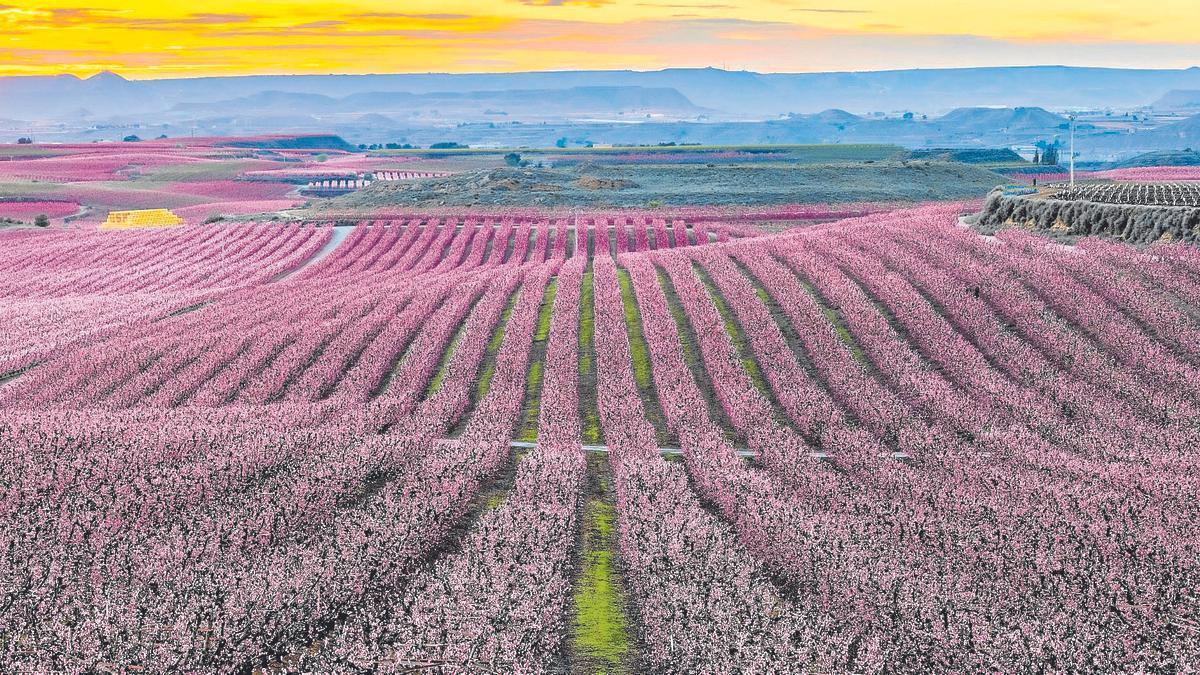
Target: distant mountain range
x,y
571,103
970,107
728,93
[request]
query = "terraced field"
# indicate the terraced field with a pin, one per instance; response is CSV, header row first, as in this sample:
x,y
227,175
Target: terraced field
x,y
597,444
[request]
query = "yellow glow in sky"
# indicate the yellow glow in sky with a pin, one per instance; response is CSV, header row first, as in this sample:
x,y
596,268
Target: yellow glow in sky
x,y
154,39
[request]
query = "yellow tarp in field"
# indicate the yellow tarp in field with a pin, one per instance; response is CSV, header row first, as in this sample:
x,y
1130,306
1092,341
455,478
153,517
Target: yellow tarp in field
x,y
125,220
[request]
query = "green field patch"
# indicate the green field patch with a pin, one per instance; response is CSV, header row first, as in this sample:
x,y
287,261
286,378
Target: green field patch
x,y
489,360
494,501
733,329
444,365
844,333
589,414
839,325
533,379
639,352
637,342
600,624
601,632
689,342
197,171
543,329
31,151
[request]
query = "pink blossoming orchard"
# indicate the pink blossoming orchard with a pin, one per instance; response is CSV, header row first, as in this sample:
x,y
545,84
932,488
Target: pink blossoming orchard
x,y
597,442
202,179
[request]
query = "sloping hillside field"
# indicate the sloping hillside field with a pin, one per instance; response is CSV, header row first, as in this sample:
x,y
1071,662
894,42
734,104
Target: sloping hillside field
x,y
597,444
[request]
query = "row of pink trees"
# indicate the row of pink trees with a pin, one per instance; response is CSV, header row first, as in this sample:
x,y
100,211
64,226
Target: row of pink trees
x,y
970,453
803,522
476,607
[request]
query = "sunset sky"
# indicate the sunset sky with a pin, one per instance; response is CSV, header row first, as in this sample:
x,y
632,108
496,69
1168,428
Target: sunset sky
x,y
155,39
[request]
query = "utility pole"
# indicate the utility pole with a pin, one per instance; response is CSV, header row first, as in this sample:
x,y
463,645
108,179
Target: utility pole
x,y
1072,118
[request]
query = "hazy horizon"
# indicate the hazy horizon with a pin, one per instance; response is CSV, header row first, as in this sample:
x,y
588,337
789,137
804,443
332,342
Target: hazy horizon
x,y
137,78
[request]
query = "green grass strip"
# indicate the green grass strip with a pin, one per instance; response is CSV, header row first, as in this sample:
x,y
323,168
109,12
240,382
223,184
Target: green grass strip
x,y
844,333
444,366
533,379
587,323
832,315
682,323
689,343
734,329
493,348
543,328
601,633
642,368
637,341
587,334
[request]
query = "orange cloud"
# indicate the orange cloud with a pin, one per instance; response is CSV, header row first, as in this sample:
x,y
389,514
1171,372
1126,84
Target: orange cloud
x,y
169,38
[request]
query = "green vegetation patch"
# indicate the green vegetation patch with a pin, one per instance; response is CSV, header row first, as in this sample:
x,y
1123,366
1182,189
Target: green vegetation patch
x,y
590,417
689,342
533,379
543,329
227,170
600,630
637,341
639,351
734,329
844,333
614,184
444,365
587,323
493,348
839,325
30,190
494,501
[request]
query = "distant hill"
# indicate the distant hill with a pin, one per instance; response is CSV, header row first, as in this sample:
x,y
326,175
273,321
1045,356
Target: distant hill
x,y
1161,158
1172,137
959,132
305,142
835,116
1178,99
999,119
572,103
266,101
968,155
1190,125
1184,133
950,108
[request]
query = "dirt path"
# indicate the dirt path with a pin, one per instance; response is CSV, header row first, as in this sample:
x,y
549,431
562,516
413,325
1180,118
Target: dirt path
x,y
340,232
